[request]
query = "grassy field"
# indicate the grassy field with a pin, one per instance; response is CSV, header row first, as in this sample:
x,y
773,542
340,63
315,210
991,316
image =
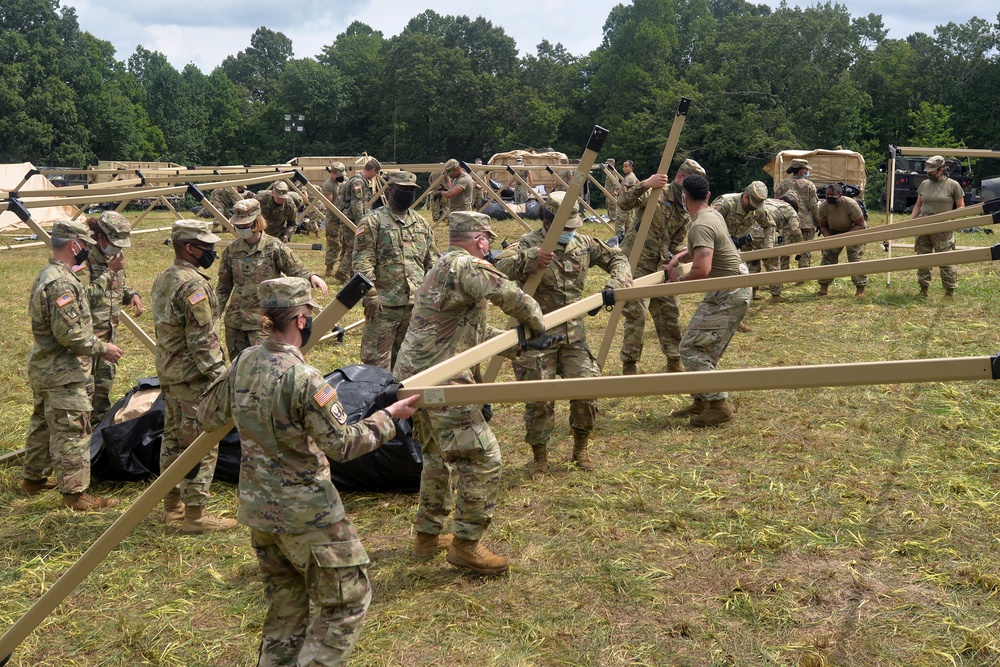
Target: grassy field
x,y
848,526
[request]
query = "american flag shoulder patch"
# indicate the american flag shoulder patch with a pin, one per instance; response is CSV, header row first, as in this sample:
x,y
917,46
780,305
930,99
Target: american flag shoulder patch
x,y
360,230
65,299
197,297
324,395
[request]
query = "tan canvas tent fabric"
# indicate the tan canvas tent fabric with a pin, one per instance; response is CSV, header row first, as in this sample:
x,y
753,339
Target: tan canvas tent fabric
x,y
538,177
10,177
825,166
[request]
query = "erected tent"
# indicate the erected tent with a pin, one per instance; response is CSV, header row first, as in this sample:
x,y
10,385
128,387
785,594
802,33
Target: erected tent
x,y
825,167
11,177
520,158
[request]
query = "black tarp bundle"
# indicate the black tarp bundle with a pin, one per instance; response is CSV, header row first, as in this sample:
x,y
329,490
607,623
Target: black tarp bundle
x,y
130,450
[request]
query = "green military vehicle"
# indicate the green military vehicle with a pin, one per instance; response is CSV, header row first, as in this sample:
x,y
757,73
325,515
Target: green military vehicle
x,y
910,174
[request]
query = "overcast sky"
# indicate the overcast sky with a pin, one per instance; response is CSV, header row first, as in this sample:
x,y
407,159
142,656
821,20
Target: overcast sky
x,y
205,32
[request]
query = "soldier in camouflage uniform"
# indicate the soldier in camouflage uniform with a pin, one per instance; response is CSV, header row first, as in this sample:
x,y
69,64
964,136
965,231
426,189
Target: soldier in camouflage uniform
x,y
188,360
393,248
521,191
106,294
937,194
356,194
563,282
339,237
783,216
246,262
841,215
611,185
279,210
225,198
59,372
460,192
713,255
449,317
625,217
804,190
311,559
744,216
665,237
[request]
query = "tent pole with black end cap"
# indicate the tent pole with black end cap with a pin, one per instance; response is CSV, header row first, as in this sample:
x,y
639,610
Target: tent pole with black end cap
x,y
157,490
477,179
647,217
583,202
594,144
301,179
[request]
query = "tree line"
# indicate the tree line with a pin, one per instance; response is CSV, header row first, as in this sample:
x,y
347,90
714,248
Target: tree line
x,y
760,80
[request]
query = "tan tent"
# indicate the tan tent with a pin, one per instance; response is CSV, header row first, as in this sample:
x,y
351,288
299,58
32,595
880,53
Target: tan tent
x,y
824,166
538,176
11,176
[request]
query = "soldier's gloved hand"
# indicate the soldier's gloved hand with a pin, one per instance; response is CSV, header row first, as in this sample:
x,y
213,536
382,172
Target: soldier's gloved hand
x,y
371,305
544,341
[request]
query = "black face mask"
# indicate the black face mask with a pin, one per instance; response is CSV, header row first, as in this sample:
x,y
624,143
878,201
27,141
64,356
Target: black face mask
x,y
81,257
307,330
207,258
404,197
832,201
339,179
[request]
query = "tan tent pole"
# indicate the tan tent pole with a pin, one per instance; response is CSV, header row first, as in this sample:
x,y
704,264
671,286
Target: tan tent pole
x,y
952,152
600,187
380,186
476,178
647,218
503,186
150,498
531,191
42,234
890,178
429,190
580,198
877,234
551,240
334,334
750,379
330,206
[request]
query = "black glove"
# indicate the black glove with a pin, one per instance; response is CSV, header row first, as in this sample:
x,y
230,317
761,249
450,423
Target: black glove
x,y
385,398
740,241
541,341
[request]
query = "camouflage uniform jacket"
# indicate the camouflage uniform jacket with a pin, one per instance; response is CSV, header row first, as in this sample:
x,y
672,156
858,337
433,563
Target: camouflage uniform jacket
x,y
564,278
290,421
449,312
784,219
65,343
739,220
241,271
106,293
627,181
805,190
185,312
280,217
354,198
667,230
395,252
224,199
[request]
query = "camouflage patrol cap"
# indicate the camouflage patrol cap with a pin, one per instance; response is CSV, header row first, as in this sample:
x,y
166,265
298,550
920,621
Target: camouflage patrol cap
x,y
933,164
451,165
280,189
286,292
555,200
189,229
338,167
115,226
71,230
689,166
757,192
245,211
403,178
796,164
470,221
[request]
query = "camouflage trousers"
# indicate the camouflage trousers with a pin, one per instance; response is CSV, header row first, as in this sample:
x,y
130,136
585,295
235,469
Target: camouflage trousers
x,y
569,360
104,373
180,428
711,328
317,591
58,437
457,439
804,258
764,239
381,339
941,242
238,340
666,313
623,220
855,253
339,248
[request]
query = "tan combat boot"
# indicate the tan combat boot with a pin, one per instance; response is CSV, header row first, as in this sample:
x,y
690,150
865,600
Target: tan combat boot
x,y
84,502
426,545
197,522
923,292
540,464
472,555
859,292
629,368
777,298
756,297
742,328
823,290
697,406
173,509
580,455
674,365
717,412
949,293
32,487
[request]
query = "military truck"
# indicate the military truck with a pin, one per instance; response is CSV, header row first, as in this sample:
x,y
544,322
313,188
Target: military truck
x,y
910,174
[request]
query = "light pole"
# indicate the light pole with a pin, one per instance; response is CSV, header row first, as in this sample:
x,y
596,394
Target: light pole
x,y
294,122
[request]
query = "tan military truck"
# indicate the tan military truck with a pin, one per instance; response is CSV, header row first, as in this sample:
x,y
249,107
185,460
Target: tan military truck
x,y
825,167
